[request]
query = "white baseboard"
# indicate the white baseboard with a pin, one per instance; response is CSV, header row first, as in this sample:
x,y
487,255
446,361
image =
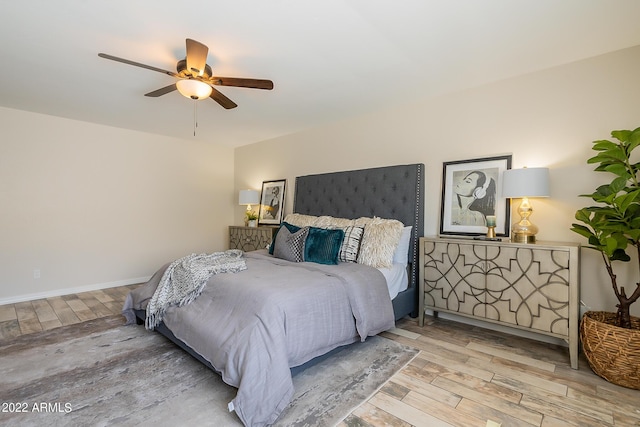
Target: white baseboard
x,y
68,291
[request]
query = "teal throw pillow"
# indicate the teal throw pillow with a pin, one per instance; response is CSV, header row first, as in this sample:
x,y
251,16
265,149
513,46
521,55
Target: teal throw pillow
x,y
323,245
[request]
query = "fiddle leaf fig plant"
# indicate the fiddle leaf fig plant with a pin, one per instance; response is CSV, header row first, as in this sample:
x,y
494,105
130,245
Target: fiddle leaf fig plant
x,y
612,227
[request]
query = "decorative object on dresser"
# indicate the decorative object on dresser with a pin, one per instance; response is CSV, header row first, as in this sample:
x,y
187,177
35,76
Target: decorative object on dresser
x,y
272,202
491,226
470,190
611,341
524,183
250,238
251,219
533,288
248,198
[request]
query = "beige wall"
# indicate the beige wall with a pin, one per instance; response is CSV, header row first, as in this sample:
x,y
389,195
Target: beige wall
x,y
92,206
545,119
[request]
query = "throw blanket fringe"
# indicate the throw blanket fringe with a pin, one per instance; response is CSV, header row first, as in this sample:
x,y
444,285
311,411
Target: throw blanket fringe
x,y
185,278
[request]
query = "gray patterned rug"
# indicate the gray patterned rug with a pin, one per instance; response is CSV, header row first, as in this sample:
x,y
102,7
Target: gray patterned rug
x,y
102,373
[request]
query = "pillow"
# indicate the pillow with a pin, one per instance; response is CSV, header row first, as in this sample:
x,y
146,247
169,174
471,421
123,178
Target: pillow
x,y
322,245
323,221
379,242
291,228
300,220
351,244
290,246
401,255
331,222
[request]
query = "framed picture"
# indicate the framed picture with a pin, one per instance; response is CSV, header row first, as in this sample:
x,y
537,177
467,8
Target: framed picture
x,y
272,202
471,191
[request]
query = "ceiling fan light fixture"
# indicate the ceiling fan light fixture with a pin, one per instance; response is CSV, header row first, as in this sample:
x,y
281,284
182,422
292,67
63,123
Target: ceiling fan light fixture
x,y
193,89
194,81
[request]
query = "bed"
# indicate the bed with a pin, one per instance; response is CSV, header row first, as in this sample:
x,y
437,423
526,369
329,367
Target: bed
x,y
265,334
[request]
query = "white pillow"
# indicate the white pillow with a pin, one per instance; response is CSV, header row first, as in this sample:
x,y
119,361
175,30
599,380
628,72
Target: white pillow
x,y
401,255
300,220
323,221
332,222
379,241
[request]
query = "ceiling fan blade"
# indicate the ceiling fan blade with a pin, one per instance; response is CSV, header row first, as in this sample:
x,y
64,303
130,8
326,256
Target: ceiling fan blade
x,y
240,82
222,100
162,91
196,57
137,64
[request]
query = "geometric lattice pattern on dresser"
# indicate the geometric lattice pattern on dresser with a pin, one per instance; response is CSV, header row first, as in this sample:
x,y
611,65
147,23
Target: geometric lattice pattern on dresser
x,y
250,238
526,287
454,278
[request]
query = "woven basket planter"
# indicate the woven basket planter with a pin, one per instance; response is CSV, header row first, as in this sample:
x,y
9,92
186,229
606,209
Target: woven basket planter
x,y
613,352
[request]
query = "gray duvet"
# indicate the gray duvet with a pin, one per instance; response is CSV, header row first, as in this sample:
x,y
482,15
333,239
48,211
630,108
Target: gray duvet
x,y
253,326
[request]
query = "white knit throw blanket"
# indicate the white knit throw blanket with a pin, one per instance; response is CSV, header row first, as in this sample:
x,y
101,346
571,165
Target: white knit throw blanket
x,y
185,278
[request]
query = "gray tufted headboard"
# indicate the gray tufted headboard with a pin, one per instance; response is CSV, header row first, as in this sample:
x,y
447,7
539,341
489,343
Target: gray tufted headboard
x,y
395,192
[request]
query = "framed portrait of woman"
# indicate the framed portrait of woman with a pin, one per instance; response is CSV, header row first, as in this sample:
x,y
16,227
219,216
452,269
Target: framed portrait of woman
x,y
472,197
272,202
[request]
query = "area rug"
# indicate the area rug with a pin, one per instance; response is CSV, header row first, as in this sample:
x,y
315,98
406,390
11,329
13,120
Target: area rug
x,y
103,373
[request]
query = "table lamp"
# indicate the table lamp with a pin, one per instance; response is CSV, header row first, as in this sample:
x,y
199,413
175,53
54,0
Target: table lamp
x,y
523,184
248,197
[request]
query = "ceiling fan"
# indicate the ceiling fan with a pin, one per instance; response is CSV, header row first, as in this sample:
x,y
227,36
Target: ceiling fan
x,y
195,78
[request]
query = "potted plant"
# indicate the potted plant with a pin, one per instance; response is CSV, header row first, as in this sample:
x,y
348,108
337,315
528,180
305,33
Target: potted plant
x,y
251,218
611,341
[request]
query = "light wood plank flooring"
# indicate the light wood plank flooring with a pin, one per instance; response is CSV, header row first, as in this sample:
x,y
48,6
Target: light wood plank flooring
x,y
43,314
463,376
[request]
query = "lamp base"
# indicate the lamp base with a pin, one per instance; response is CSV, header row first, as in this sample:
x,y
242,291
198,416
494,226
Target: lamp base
x,y
524,231
523,238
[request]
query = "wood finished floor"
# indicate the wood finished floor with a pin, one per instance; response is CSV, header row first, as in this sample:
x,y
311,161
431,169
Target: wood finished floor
x,y
43,314
463,376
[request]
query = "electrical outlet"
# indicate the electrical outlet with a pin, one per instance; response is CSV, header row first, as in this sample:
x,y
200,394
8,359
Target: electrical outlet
x,y
36,273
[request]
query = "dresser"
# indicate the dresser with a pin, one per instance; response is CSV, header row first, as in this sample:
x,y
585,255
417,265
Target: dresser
x,y
250,238
533,287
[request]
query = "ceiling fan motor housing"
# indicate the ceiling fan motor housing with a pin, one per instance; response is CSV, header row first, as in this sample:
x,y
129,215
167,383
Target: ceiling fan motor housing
x,y
181,67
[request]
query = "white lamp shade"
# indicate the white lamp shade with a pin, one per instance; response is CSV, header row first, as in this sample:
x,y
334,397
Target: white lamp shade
x,y
525,182
248,197
193,89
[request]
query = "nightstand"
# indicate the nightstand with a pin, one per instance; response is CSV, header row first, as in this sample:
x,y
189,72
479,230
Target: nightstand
x,y
534,287
250,238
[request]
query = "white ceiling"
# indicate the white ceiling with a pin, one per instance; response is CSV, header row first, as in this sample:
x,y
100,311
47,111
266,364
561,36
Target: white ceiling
x,y
329,59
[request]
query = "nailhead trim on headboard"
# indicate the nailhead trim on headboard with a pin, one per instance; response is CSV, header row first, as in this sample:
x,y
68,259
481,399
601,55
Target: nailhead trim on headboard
x,y
418,223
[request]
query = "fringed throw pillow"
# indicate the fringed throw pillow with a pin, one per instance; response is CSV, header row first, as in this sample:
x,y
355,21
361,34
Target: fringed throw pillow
x,y
379,242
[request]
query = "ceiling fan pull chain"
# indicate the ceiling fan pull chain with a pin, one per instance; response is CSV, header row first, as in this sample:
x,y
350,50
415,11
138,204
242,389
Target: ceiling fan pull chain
x,y
195,112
